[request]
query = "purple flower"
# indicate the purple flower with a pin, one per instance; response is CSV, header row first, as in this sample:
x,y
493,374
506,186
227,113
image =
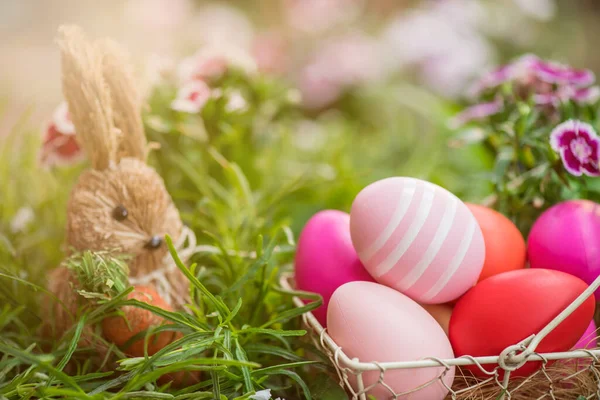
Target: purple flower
x,y
560,74
577,143
476,112
588,95
535,73
520,69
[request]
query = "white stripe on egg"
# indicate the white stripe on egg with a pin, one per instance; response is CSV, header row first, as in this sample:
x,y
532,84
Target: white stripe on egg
x,y
434,247
413,231
455,263
404,203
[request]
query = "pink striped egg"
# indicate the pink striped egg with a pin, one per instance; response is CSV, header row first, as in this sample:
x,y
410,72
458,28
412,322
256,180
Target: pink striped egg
x,y
417,238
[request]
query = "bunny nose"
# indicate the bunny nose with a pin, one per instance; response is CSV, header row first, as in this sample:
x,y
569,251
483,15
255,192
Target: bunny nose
x,y
154,243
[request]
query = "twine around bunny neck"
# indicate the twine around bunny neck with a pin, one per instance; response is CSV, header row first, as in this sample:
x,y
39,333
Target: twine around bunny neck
x,y
159,278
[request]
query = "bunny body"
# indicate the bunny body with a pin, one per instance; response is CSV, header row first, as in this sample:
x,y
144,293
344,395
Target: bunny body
x,y
121,204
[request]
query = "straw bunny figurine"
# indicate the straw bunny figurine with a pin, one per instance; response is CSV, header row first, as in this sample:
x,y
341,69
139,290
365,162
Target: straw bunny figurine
x,y
121,204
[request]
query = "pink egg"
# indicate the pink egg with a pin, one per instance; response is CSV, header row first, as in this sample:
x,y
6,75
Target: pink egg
x,y
566,237
587,341
589,338
325,257
417,238
375,323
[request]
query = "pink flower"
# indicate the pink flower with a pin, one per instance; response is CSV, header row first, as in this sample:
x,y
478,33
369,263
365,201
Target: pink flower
x,y
191,97
477,112
553,72
317,88
442,41
200,68
341,63
211,62
536,73
564,94
62,119
269,51
59,146
519,70
577,143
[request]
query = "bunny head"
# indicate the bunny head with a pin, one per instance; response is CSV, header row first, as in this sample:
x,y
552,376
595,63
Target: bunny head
x,y
121,204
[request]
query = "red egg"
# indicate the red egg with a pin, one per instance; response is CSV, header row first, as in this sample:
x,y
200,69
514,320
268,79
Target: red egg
x,y
505,248
505,309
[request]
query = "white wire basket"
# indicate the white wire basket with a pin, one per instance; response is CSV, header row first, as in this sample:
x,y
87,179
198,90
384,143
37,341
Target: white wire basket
x,y
578,376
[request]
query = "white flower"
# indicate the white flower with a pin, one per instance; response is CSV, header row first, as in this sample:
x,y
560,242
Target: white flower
x,y
22,218
262,395
62,119
191,97
236,102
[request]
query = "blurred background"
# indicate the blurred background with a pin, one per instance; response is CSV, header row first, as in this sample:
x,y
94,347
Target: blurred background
x,y
439,43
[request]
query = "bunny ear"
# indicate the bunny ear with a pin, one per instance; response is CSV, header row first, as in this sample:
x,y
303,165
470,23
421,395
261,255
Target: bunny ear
x,y
88,96
126,101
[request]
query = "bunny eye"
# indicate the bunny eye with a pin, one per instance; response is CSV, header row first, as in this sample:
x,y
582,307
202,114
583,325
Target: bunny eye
x,y
120,213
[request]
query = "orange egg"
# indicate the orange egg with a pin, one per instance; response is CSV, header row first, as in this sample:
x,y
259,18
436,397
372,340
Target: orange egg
x,y
441,313
119,329
505,248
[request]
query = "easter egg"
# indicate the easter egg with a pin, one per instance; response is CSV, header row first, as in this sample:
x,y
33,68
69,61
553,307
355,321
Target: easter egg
x,y
119,329
505,248
441,313
504,309
417,238
566,237
589,341
589,338
325,257
373,322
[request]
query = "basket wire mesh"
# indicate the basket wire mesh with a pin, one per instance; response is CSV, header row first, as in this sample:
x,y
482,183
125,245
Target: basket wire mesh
x,y
557,382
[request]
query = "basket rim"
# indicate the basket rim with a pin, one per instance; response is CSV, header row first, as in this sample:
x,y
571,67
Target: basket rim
x,y
286,282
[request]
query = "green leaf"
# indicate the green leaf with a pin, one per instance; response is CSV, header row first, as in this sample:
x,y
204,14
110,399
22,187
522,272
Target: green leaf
x,y
241,355
267,370
41,361
217,304
323,387
296,378
72,346
273,332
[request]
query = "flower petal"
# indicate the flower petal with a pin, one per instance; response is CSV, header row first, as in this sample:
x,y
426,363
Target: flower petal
x,y
591,169
477,112
594,145
191,97
571,163
262,395
493,79
586,130
546,99
59,148
553,72
587,95
62,119
562,134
